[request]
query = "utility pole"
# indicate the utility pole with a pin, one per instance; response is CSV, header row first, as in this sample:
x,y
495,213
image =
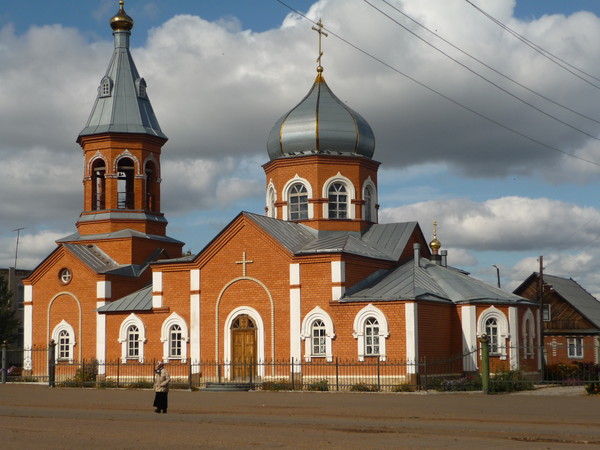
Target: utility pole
x,y
541,302
498,274
18,230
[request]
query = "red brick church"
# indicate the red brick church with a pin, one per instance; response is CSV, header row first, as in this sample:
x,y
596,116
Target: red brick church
x,y
314,278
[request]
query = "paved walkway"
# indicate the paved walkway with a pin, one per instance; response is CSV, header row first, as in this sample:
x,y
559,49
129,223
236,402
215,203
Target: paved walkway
x,y
39,417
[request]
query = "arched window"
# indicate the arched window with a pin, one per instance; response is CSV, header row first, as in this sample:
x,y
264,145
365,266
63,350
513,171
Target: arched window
x,y
98,185
298,202
368,198
317,333
64,348
174,336
175,341
371,337
125,180
133,342
338,201
140,85
494,324
64,337
491,329
105,87
151,187
271,198
371,332
132,336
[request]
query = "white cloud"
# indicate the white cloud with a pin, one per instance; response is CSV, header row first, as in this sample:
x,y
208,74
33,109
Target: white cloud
x,y
504,224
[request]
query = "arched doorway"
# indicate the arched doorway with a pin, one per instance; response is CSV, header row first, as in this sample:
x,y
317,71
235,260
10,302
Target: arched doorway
x,y
243,348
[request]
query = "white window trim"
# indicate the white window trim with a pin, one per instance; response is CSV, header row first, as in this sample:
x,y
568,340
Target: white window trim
x,y
374,201
309,195
359,330
106,81
569,340
132,319
270,200
339,178
503,330
306,333
64,326
165,334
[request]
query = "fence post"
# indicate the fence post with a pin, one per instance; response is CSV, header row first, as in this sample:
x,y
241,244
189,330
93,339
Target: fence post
x,y
337,374
292,372
378,374
485,364
51,363
4,368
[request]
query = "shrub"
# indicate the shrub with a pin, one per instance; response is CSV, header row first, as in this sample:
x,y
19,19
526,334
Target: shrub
x,y
322,385
404,388
509,381
457,384
593,388
140,384
364,387
280,385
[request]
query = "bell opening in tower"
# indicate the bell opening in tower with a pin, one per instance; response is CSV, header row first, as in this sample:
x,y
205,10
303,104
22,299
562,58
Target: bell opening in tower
x,y
98,185
125,177
151,187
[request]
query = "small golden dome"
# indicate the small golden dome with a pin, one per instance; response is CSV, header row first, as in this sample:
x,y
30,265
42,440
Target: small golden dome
x,y
435,245
121,21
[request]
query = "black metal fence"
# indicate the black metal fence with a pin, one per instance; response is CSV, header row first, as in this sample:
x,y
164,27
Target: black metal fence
x,y
447,374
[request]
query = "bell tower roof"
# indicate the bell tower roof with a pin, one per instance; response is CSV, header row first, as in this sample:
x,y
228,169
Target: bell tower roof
x,y
122,104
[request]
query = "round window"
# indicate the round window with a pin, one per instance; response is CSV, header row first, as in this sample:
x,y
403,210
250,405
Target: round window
x,y
65,276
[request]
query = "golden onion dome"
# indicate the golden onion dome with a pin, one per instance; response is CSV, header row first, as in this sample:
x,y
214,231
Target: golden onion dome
x,y
435,245
121,21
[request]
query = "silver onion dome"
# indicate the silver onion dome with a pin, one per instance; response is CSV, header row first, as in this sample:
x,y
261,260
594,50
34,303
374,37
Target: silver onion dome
x,y
321,124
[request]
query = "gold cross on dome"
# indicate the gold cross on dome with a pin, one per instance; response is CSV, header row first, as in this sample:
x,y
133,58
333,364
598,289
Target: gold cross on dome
x,y
321,34
244,261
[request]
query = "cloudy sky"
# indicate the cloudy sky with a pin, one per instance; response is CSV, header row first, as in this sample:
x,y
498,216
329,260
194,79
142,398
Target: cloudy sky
x,y
491,132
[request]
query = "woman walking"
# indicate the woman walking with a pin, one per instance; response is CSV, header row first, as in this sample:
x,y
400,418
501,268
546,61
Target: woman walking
x,y
161,387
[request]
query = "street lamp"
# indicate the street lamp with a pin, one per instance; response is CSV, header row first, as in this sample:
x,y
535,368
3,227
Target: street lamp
x,y
498,274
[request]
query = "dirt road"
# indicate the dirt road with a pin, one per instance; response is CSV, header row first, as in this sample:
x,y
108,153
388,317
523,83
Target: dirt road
x,y
40,417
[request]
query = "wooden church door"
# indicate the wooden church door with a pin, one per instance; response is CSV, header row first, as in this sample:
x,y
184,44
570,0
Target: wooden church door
x,y
243,352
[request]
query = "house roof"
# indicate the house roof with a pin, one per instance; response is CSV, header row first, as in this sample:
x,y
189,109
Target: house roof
x,y
137,301
577,296
428,281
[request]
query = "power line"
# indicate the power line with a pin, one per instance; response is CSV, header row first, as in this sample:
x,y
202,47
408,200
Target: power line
x,y
457,103
497,86
546,54
488,66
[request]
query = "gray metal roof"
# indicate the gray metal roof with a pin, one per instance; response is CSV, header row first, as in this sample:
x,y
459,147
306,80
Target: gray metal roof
x,y
92,256
123,215
137,301
321,123
577,296
384,242
428,281
126,233
126,107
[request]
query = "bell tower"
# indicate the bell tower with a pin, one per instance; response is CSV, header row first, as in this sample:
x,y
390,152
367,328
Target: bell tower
x,y
122,143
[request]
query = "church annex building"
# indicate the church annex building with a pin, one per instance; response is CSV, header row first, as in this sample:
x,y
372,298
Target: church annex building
x,y
314,279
